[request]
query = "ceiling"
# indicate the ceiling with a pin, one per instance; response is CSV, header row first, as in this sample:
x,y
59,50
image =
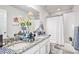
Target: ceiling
x,y
56,8
50,9
27,9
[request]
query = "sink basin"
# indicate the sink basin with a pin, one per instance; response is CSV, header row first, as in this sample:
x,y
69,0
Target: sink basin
x,y
42,37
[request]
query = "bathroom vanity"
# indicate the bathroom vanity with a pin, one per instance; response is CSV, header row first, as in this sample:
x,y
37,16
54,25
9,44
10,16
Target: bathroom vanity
x,y
39,46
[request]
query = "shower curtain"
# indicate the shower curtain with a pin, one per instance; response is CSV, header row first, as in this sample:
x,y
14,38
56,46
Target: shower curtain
x,y
55,28
76,38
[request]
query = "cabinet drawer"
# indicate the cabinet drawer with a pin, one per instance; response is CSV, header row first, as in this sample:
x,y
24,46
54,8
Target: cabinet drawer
x,y
43,42
43,50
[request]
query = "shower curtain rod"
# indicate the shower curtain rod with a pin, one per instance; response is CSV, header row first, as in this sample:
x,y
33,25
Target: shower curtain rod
x,y
58,15
54,16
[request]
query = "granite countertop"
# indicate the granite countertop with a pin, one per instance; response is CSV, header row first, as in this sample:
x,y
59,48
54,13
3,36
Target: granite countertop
x,y
21,46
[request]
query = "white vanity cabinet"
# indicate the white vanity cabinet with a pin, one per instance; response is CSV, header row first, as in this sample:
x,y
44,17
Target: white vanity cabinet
x,y
42,47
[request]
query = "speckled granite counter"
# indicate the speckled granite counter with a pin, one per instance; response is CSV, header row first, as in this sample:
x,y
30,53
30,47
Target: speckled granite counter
x,y
22,46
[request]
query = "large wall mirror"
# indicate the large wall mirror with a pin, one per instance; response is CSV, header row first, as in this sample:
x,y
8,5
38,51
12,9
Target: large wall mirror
x,y
29,10
6,18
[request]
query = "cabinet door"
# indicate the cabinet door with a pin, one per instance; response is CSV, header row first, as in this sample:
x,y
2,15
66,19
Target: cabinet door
x,y
48,47
37,52
43,50
44,47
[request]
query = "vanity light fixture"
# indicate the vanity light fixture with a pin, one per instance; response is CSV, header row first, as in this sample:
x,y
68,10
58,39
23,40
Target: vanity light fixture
x,y
30,13
58,9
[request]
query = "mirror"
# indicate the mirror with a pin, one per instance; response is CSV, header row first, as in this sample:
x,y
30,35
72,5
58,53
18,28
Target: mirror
x,y
30,12
7,13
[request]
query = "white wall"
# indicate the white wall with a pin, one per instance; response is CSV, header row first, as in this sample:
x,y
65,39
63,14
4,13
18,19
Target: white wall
x,y
76,8
69,21
11,11
3,22
76,11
